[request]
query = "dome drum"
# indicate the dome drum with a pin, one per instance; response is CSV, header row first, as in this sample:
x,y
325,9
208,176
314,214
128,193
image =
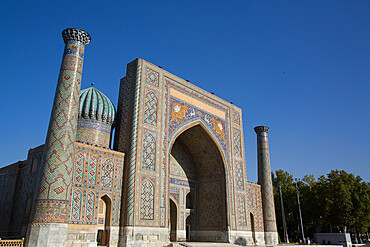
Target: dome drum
x,y
93,132
95,118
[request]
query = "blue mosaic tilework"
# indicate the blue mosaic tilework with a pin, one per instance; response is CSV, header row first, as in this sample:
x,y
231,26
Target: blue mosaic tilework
x,y
103,176
77,197
53,196
239,175
149,147
107,174
241,211
152,77
182,112
150,109
182,182
147,200
237,143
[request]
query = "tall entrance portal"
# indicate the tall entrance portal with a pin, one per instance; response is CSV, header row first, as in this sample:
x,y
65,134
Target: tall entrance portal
x,y
198,187
185,172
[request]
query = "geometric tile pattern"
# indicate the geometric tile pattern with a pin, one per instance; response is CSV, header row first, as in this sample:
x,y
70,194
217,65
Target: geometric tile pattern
x,y
149,151
79,168
236,117
92,170
93,132
147,200
164,166
130,183
107,170
152,77
211,208
109,175
254,206
237,143
150,110
239,175
116,209
76,205
56,179
90,206
241,211
123,119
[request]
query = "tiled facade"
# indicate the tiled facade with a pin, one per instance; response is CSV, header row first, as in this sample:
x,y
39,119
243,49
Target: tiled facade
x,y
174,144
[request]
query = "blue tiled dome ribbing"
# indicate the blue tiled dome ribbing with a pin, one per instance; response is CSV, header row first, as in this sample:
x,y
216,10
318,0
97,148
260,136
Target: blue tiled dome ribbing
x,y
95,105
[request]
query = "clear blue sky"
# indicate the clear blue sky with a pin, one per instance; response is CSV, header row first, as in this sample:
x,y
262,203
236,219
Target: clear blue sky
x,y
318,110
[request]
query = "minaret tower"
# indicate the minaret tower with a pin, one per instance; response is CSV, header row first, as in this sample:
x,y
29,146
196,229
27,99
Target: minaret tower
x,y
264,179
52,201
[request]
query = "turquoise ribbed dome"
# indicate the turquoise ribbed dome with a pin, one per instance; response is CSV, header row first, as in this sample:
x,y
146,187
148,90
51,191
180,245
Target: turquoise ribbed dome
x,y
95,105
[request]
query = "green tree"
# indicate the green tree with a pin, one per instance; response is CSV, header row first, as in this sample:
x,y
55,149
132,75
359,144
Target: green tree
x,y
338,202
286,182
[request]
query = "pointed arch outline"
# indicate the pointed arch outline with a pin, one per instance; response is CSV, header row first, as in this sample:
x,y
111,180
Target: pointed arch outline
x,y
188,125
109,203
184,127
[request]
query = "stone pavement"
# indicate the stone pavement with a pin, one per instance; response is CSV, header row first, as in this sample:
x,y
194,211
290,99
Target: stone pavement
x,y
210,244
203,244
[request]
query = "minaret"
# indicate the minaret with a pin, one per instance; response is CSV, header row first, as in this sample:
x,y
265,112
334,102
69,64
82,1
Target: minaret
x,y
52,204
264,179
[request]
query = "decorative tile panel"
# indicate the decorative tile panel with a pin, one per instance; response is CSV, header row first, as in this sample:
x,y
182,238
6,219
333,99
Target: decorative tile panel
x,y
79,168
90,206
76,207
92,170
147,200
107,173
151,107
241,211
149,147
236,117
182,112
237,143
239,175
152,77
116,209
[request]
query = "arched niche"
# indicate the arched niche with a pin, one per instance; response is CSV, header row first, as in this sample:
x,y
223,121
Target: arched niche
x,y
194,150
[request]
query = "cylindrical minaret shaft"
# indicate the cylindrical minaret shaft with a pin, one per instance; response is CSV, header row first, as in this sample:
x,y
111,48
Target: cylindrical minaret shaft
x,y
52,202
264,179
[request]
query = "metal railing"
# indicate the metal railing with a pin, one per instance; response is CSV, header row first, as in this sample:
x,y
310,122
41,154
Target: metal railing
x,y
12,242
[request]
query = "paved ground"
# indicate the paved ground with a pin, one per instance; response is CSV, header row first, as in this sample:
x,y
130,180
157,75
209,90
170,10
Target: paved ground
x,y
203,244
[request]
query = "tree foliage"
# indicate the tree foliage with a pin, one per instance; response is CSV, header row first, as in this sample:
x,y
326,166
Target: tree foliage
x,y
338,202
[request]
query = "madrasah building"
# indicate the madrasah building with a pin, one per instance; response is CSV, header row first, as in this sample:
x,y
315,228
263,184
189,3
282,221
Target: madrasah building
x,y
176,171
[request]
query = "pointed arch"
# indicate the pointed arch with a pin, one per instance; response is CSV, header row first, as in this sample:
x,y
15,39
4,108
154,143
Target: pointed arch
x,y
184,127
209,163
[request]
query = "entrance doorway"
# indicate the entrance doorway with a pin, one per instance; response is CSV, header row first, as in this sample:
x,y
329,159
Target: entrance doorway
x,y
173,221
197,160
189,227
104,219
252,228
